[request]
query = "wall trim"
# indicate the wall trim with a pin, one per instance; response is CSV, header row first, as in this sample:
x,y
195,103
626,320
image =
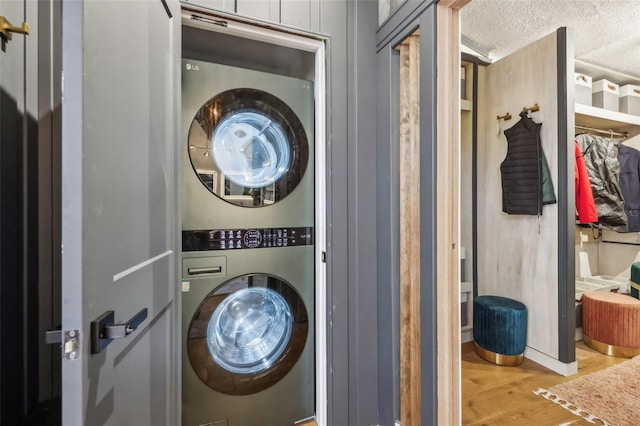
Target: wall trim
x,y
447,230
562,368
566,195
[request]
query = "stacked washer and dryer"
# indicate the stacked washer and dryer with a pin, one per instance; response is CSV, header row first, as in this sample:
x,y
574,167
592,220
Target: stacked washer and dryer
x,y
247,247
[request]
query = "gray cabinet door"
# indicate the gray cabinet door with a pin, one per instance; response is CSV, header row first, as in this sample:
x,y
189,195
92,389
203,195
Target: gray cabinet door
x,y
119,209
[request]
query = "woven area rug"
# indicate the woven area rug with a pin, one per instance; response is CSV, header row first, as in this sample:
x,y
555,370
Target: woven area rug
x,y
607,397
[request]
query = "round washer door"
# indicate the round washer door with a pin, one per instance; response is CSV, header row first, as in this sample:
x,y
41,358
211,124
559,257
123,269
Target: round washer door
x,y
247,334
248,147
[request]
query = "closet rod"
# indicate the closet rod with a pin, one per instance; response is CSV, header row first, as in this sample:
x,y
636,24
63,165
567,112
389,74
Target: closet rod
x,y
606,132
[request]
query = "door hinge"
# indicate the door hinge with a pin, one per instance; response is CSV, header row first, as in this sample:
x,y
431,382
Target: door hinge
x,y
69,341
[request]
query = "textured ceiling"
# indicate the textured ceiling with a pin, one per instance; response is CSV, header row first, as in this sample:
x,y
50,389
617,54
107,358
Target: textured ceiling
x,y
607,32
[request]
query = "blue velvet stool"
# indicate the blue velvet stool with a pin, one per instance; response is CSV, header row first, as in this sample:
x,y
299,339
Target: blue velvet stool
x,y
499,329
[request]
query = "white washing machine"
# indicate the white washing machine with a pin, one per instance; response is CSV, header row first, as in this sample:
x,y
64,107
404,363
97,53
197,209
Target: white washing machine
x,y
247,247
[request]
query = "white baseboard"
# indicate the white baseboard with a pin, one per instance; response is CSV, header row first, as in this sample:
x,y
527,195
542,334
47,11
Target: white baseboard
x,y
562,368
466,336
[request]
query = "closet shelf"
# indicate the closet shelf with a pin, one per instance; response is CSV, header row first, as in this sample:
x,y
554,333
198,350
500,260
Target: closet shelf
x,y
604,119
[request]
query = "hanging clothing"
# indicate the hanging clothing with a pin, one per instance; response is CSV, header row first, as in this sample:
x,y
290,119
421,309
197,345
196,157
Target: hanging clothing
x,y
585,206
600,156
526,179
629,159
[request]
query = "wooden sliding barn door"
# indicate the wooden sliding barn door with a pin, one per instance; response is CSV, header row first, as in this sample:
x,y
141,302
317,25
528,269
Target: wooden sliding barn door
x,y
410,377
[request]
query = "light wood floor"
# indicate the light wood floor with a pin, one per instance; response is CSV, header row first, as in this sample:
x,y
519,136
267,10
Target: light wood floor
x,y
494,395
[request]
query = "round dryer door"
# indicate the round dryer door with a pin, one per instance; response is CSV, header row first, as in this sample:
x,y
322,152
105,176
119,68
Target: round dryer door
x,y
248,147
247,334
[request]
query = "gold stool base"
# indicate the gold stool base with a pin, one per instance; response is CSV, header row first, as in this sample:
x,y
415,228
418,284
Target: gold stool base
x,y
496,358
611,350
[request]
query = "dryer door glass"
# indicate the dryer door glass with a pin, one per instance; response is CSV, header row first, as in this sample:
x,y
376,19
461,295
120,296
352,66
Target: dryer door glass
x,y
247,334
249,330
248,147
251,149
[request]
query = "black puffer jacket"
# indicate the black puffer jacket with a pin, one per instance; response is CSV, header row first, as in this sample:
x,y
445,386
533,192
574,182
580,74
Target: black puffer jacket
x,y
526,180
601,158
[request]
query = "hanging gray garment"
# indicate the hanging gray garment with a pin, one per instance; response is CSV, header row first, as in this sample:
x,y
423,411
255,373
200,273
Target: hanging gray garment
x,y
601,158
629,159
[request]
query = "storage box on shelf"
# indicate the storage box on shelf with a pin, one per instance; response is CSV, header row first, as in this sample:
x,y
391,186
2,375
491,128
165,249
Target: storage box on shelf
x,y
605,95
583,89
629,102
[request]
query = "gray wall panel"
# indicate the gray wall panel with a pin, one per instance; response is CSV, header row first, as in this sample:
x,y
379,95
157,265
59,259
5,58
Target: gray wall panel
x,y
363,362
46,197
13,121
388,224
352,242
30,204
428,218
268,10
226,5
296,13
333,21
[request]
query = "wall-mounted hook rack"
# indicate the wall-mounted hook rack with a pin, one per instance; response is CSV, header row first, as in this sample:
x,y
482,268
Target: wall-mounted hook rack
x,y
505,117
534,108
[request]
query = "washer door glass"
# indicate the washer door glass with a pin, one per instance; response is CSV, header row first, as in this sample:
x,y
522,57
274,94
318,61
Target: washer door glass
x,y
249,330
248,147
247,334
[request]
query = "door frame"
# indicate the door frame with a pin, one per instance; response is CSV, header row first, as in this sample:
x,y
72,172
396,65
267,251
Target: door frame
x,y
438,391
316,44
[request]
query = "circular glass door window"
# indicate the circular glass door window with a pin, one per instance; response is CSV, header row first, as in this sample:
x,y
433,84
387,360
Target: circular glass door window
x,y
249,330
247,334
248,147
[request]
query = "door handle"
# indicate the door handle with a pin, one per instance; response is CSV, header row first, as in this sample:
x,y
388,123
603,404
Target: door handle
x,y
103,329
6,29
202,271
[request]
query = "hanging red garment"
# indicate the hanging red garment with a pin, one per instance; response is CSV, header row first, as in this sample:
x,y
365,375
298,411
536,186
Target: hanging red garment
x,y
585,206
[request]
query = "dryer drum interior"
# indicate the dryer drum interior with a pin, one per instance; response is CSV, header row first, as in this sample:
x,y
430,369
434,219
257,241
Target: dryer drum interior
x,y
248,144
247,334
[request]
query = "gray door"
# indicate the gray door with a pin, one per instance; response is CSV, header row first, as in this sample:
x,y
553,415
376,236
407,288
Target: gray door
x,y
119,212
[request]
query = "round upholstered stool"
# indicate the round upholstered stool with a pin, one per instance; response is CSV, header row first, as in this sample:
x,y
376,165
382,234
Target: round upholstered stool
x,y
499,329
611,323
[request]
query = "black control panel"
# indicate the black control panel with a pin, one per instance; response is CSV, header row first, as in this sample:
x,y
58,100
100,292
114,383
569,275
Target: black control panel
x,y
234,239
